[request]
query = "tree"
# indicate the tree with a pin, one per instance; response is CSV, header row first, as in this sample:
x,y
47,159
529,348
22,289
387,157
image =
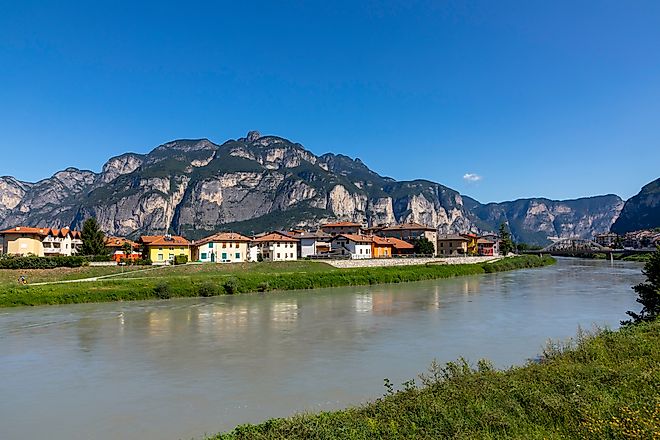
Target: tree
x,y
506,244
648,293
127,248
424,246
92,238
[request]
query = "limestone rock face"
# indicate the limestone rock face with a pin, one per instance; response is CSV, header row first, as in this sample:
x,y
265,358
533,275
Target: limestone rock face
x,y
257,183
640,212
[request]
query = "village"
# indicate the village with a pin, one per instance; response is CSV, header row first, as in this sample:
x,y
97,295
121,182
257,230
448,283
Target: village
x,y
332,241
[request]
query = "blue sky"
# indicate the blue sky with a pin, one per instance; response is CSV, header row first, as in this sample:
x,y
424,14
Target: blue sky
x,y
499,100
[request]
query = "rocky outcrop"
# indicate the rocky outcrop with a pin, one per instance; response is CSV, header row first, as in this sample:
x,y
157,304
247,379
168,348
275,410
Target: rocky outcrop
x,y
641,211
195,186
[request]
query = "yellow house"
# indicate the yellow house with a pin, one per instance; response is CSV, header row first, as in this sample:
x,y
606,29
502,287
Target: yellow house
x,y
472,244
23,240
164,248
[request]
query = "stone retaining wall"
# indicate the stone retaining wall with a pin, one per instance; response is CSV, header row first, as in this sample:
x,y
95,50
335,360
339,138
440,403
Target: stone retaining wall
x,y
378,262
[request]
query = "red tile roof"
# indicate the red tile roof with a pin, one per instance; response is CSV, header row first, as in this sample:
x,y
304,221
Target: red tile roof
x,y
399,244
276,236
224,236
356,238
26,230
162,240
118,242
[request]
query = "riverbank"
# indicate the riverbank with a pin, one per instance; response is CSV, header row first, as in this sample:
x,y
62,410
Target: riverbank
x,y
599,387
382,262
216,279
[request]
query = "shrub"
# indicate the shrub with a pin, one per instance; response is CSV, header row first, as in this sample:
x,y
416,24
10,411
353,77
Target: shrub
x,y
162,290
34,262
180,259
231,286
207,289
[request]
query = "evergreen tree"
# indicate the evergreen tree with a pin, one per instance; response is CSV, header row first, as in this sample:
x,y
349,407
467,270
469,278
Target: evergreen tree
x,y
127,248
648,293
424,246
506,244
92,238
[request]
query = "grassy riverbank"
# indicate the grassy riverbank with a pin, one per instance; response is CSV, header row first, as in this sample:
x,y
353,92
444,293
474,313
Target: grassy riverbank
x,y
603,387
218,279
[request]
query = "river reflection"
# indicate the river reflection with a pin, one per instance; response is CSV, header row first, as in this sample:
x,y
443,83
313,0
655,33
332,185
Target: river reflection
x,y
180,368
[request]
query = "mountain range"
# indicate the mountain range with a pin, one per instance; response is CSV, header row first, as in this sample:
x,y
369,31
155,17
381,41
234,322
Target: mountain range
x,y
259,183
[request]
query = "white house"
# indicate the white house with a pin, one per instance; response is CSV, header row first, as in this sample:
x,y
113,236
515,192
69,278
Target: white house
x,y
223,247
311,243
277,247
357,246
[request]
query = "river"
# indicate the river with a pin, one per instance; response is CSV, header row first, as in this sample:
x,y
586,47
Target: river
x,y
182,368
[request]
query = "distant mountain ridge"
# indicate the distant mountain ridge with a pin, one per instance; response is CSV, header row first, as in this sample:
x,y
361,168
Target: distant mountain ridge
x,y
641,211
195,187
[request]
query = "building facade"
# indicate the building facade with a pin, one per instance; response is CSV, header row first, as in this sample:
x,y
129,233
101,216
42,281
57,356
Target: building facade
x,y
452,245
42,242
223,247
277,247
162,249
410,232
341,228
357,246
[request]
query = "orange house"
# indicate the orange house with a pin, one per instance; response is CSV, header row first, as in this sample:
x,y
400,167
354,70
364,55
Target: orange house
x,y
381,247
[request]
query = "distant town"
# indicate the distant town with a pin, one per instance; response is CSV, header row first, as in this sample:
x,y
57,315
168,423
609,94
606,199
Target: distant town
x,y
337,240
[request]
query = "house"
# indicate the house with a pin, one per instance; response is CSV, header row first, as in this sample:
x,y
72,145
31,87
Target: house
x,y
276,246
161,249
452,245
22,240
223,247
356,245
485,247
400,247
311,243
410,232
341,228
381,247
472,245
116,247
496,242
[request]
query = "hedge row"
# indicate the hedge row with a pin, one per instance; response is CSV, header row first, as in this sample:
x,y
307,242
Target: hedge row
x,y
33,262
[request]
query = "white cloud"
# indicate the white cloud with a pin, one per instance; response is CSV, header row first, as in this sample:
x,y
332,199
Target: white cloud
x,y
471,177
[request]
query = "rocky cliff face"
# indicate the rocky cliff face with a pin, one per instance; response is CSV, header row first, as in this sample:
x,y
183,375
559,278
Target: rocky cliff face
x,y
256,183
534,220
641,211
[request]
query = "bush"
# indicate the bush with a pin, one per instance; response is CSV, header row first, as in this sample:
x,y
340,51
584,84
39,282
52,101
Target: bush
x,y
231,286
162,290
207,289
34,262
180,259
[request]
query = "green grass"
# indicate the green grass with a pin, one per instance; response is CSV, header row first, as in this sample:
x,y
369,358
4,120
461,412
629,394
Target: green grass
x,y
600,387
200,279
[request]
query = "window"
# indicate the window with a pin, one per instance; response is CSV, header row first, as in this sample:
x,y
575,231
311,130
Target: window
x,y
171,248
236,245
224,245
224,255
160,257
203,257
278,255
238,255
171,256
360,250
211,245
160,249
